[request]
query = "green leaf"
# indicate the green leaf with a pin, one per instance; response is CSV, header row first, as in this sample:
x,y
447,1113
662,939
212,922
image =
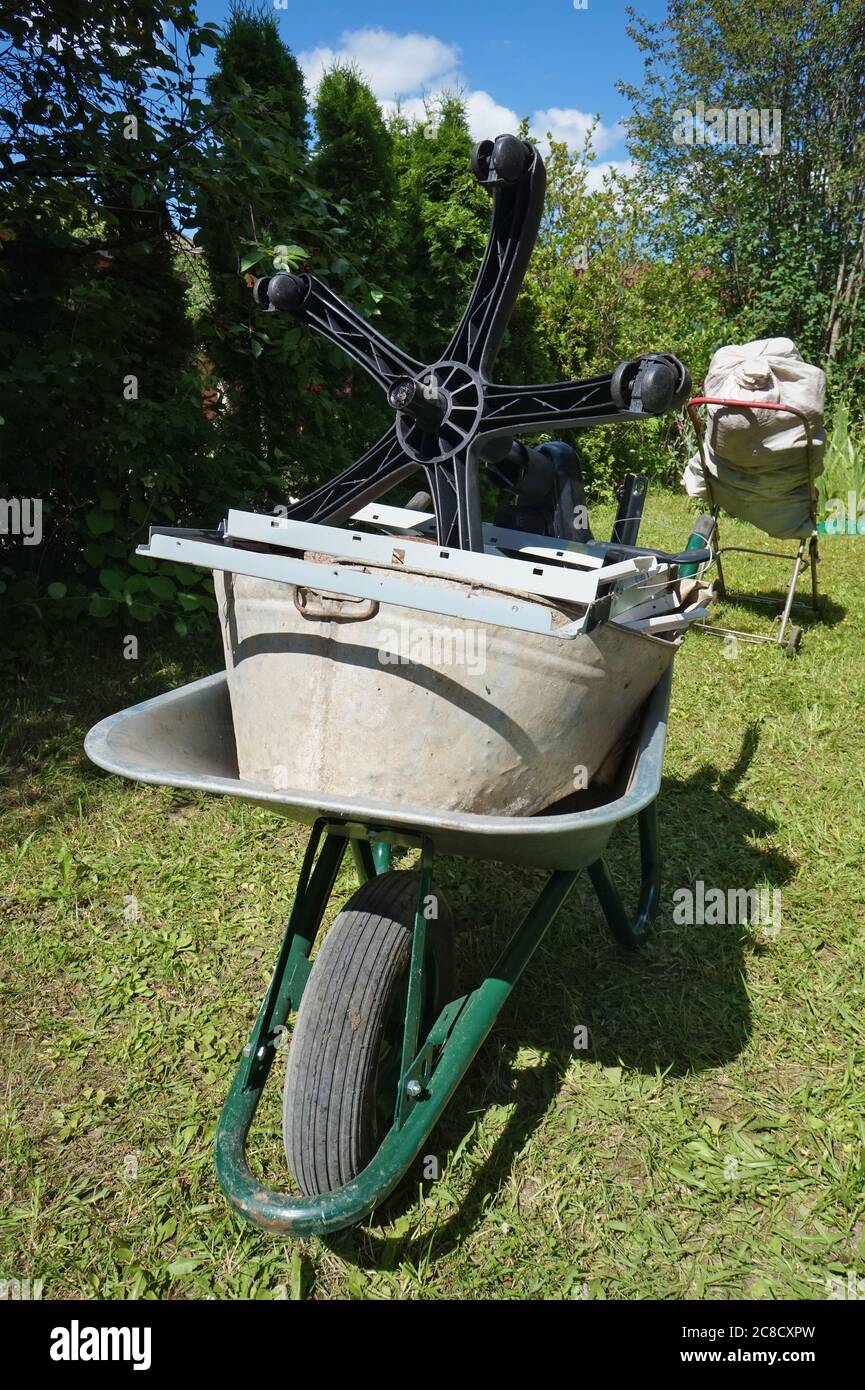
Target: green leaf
x,y
112,580
99,523
136,584
100,607
141,563
56,590
287,256
255,347
94,554
144,612
252,259
161,586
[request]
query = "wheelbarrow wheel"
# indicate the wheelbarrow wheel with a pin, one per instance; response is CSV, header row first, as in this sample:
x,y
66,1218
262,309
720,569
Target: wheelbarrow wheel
x,y
344,1060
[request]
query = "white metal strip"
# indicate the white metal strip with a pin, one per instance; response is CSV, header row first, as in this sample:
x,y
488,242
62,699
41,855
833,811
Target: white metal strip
x,y
588,555
665,602
670,622
335,579
397,518
524,576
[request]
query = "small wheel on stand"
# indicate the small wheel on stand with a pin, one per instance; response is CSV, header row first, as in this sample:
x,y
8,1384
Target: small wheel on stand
x,y
344,1060
791,646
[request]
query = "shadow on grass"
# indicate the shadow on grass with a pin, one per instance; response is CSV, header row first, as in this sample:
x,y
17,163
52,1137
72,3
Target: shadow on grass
x,y
678,1006
803,615
47,708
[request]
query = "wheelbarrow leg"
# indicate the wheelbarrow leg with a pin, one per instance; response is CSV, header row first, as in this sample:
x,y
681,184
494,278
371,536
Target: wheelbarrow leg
x,y
314,888
370,859
631,931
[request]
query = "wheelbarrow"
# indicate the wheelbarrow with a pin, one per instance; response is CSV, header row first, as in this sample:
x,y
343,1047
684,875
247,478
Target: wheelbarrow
x,y
380,1038
380,1041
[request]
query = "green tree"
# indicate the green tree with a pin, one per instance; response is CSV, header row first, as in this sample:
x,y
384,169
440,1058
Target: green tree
x,y
99,398
772,164
252,188
354,165
354,170
444,215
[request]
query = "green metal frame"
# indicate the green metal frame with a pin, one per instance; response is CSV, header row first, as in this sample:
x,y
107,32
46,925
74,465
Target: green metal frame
x,y
431,1069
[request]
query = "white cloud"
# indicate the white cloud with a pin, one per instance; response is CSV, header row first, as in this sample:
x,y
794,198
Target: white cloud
x,y
395,65
625,167
566,123
486,118
410,69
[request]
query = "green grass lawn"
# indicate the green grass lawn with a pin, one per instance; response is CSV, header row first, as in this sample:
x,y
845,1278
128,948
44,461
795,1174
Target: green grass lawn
x,y
709,1144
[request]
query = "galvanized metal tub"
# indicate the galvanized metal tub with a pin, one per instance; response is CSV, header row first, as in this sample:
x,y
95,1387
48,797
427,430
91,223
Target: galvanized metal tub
x,y
185,739
396,705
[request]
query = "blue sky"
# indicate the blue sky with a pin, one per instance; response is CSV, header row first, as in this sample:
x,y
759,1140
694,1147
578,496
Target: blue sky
x,y
549,60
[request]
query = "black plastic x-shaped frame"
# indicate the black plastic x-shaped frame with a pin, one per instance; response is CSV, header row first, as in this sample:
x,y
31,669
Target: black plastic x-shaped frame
x,y
449,415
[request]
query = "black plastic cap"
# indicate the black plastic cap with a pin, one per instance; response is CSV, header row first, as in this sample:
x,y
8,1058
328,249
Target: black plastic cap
x,y
657,387
287,292
510,158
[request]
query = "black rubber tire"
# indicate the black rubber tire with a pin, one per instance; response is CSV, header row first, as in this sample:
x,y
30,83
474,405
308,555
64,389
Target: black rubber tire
x,y
621,384
334,1099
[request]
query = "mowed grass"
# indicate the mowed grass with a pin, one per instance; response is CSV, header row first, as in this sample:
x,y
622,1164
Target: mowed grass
x,y
709,1142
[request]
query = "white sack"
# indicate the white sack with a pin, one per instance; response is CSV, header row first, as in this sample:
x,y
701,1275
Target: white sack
x,y
757,458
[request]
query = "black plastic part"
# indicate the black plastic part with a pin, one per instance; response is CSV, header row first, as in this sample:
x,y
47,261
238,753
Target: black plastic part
x,y
547,483
570,518
621,384
631,498
450,415
423,403
481,160
287,293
